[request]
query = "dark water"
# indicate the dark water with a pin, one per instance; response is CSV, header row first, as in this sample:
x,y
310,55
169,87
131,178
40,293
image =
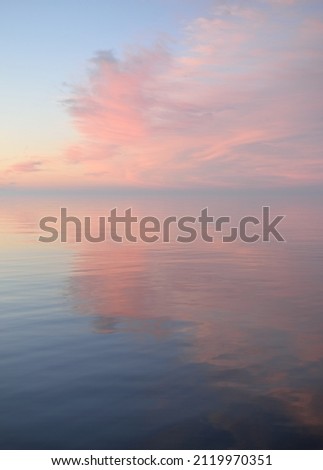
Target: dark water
x,y
109,346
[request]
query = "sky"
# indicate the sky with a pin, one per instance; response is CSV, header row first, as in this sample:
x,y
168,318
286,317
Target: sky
x,y
161,93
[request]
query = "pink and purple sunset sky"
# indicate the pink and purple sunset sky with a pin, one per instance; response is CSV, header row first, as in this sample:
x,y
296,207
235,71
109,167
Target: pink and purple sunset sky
x,y
161,93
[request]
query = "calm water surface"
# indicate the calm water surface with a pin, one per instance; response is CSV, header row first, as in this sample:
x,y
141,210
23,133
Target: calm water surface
x,y
113,346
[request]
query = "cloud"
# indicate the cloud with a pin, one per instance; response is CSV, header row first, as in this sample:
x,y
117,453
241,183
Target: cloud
x,y
240,104
25,167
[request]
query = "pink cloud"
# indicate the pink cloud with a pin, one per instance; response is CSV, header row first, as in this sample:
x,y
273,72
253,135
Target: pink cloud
x,y
26,167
